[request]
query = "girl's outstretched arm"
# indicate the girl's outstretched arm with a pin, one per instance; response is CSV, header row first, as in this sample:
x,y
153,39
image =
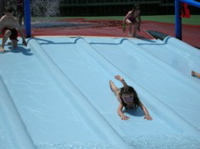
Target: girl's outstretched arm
x,y
118,77
146,113
120,113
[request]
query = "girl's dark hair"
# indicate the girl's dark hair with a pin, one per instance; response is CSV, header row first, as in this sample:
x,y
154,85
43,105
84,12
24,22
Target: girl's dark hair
x,y
8,9
129,90
135,7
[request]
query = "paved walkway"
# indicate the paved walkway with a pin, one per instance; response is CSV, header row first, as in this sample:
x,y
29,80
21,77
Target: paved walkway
x,y
112,28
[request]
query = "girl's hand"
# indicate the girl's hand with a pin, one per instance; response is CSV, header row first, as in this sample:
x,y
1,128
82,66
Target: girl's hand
x,y
147,117
118,77
124,117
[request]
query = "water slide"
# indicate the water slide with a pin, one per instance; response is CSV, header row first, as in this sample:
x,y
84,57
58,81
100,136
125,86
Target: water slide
x,y
54,94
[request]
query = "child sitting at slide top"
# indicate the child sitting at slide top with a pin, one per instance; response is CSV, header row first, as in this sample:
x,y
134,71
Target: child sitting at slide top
x,y
128,98
10,26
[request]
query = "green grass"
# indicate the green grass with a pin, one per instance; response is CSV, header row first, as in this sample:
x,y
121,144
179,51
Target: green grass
x,y
193,20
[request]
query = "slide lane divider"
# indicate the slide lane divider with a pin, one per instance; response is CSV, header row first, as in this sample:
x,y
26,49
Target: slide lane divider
x,y
165,111
92,117
180,45
171,70
13,121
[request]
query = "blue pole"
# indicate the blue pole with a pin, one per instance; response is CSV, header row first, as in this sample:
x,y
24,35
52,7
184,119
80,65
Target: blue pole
x,y
178,20
27,17
191,2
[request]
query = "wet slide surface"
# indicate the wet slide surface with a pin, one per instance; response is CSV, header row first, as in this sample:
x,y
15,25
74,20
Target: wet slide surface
x,y
54,94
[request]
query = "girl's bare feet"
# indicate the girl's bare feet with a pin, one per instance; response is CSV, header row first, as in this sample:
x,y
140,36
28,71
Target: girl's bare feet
x,y
130,35
113,87
110,83
1,49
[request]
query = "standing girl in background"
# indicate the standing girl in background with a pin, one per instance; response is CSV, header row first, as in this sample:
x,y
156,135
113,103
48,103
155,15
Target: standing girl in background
x,y
132,18
128,98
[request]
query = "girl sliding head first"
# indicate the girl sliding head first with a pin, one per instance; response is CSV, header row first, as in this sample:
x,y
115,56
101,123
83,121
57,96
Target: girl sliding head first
x,y
128,98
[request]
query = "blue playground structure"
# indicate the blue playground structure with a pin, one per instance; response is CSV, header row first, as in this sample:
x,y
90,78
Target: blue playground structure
x,y
178,22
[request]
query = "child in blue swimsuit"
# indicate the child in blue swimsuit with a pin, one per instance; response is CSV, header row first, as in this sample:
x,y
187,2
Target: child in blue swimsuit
x,y
128,98
132,18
